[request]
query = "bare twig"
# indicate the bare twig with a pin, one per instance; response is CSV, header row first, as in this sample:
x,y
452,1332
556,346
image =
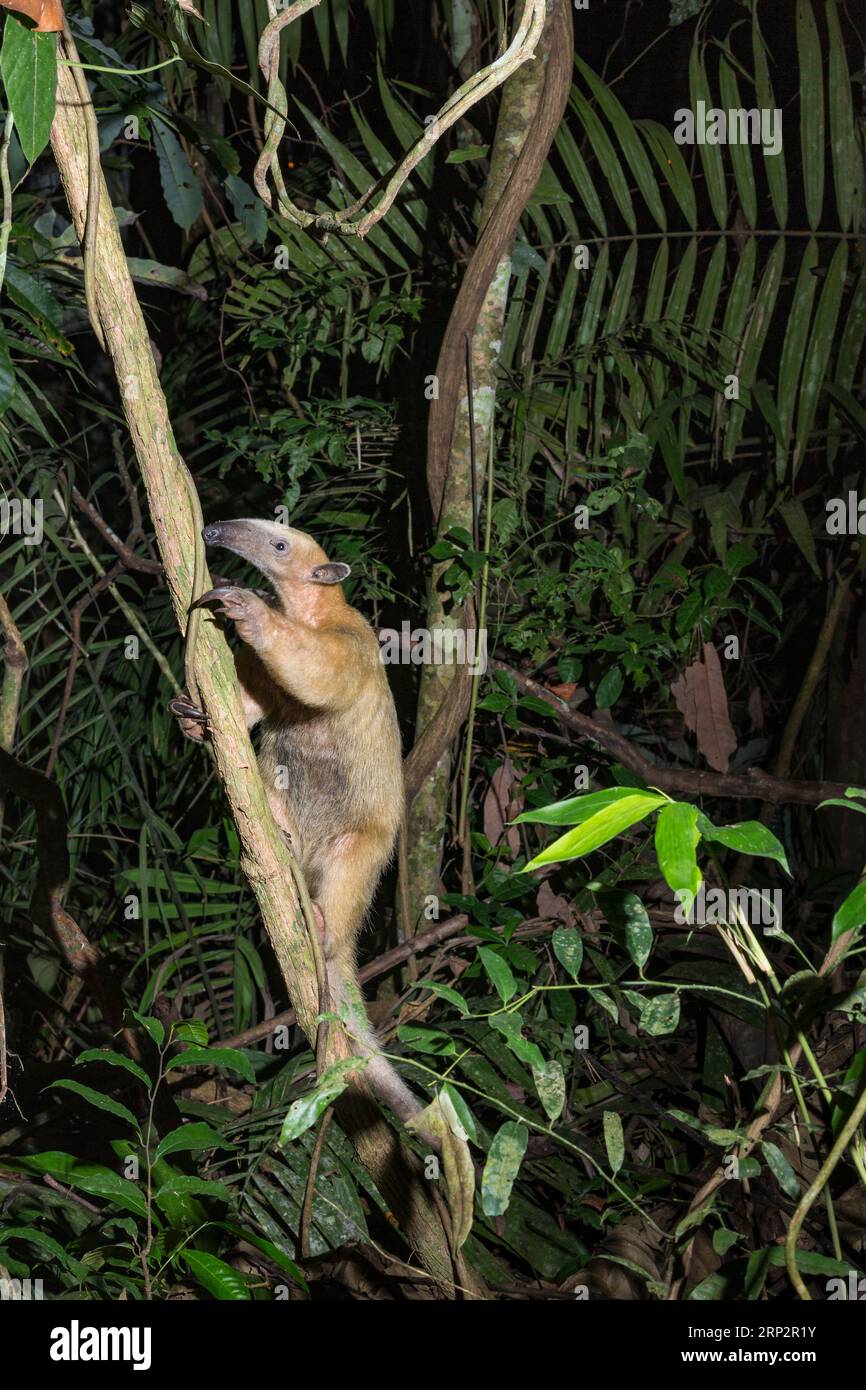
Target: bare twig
x,y
310,1189
130,560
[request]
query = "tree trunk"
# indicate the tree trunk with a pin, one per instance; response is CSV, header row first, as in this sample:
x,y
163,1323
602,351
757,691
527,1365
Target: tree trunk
x,y
533,101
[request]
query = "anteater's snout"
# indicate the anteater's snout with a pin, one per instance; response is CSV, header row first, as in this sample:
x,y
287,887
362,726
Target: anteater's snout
x,y
213,534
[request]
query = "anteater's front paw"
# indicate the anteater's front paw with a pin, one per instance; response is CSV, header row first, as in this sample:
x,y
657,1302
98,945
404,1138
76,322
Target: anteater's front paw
x,y
249,613
193,722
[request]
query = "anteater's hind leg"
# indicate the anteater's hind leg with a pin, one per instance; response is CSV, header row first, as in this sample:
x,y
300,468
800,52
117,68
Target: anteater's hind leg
x,y
348,871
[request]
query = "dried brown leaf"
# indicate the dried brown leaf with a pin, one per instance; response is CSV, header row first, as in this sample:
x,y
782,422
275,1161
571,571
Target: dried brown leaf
x,y
703,702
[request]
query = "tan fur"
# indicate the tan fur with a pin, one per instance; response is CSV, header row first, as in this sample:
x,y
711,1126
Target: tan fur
x,y
330,757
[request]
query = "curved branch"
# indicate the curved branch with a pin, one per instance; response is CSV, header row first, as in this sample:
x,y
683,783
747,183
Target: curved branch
x,y
480,85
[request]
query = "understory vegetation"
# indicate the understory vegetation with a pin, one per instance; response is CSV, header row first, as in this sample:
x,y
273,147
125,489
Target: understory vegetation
x,y
630,957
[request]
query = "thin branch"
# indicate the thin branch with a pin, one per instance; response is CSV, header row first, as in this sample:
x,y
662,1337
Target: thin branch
x,y
424,941
130,560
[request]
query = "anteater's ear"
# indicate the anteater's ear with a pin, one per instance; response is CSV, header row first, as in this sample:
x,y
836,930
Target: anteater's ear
x,y
333,572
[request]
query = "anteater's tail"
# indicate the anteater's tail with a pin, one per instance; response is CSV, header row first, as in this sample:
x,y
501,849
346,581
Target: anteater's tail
x,y
348,1001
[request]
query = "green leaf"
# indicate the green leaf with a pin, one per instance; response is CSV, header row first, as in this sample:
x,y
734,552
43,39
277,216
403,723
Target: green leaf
x,y
757,329
498,972
741,155
614,1140
851,914
746,837
629,921
658,1016
796,334
609,688
502,1166
670,160
7,373
152,1026
774,164
811,110
576,809
550,1084
710,155
599,829
466,153
781,1169
676,839
193,1138
192,1030
32,296
462,1111
444,992
114,1059
215,1275
842,129
607,157
580,176
303,1113
179,184
841,801
248,209
269,1248
95,1098
225,1058
28,63
92,1178
820,346
510,1025
793,513
184,1186
568,949
43,1241
845,1103
629,141
433,1041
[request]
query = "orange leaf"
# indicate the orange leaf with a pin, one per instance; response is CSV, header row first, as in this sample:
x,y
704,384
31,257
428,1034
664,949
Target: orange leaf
x,y
47,15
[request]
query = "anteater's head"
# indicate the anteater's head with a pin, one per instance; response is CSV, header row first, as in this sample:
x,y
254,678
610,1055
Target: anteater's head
x,y
286,557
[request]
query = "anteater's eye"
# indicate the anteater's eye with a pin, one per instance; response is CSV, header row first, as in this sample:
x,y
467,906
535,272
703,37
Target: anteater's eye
x,y
280,545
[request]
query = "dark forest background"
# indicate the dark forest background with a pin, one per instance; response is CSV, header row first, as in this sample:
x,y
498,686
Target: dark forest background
x,y
647,1102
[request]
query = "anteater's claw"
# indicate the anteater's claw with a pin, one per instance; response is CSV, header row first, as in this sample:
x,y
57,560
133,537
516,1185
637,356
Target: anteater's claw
x,y
211,596
183,708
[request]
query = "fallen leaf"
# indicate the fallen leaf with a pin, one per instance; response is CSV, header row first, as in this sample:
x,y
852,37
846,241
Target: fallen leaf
x,y
703,702
501,805
553,906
